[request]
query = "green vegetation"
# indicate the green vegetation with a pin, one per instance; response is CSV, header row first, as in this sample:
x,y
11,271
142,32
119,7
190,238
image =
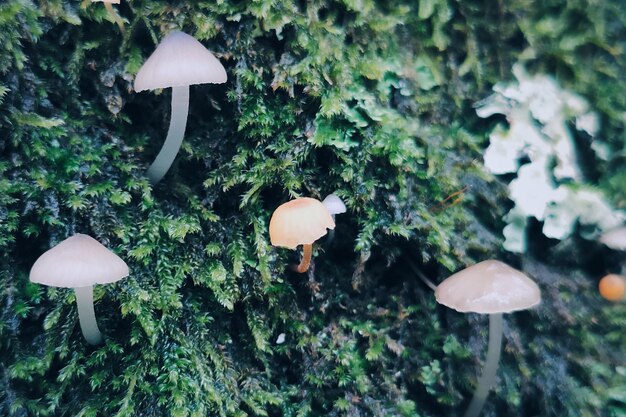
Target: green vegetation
x,y
371,100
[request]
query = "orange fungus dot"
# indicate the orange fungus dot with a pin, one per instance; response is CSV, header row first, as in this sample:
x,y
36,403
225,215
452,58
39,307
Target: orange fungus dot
x,y
612,287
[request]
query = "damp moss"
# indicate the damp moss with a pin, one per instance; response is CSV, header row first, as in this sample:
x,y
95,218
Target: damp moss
x,y
372,100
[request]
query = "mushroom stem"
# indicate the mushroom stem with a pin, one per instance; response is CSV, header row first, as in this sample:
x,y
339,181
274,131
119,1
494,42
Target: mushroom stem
x,y
421,276
87,315
175,134
491,366
307,251
116,18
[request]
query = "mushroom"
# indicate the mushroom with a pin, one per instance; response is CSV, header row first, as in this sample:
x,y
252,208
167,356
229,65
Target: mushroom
x,y
334,205
489,287
79,262
300,222
116,18
178,62
612,287
615,238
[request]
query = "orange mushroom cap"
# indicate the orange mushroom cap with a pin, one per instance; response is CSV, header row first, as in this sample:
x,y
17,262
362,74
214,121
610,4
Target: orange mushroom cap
x,y
612,287
299,222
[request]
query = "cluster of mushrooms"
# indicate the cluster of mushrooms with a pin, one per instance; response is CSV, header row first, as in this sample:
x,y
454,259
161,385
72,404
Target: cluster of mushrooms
x,y
79,262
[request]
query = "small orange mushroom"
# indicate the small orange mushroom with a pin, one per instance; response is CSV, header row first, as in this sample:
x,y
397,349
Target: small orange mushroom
x,y
612,287
300,222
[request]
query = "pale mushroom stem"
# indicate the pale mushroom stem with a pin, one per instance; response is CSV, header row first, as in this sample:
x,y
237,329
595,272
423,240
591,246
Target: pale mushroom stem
x,y
307,251
114,16
175,134
421,276
488,377
87,315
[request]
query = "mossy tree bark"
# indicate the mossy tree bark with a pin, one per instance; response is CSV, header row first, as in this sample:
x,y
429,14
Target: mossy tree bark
x,y
373,100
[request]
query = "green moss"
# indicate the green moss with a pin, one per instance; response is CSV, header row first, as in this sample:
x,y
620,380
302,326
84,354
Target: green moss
x,y
371,100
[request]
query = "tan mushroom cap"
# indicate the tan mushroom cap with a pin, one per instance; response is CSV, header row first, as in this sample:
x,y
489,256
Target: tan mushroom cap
x,y
488,287
615,239
78,261
299,222
179,60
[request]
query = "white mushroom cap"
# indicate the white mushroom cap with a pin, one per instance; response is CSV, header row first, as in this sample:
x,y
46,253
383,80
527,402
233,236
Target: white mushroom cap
x,y
334,205
615,239
488,287
179,60
78,261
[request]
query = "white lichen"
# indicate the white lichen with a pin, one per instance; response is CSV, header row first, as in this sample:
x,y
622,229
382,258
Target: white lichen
x,y
539,146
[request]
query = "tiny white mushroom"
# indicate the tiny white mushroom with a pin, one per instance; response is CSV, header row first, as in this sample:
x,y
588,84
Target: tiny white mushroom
x,y
178,62
79,262
334,205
